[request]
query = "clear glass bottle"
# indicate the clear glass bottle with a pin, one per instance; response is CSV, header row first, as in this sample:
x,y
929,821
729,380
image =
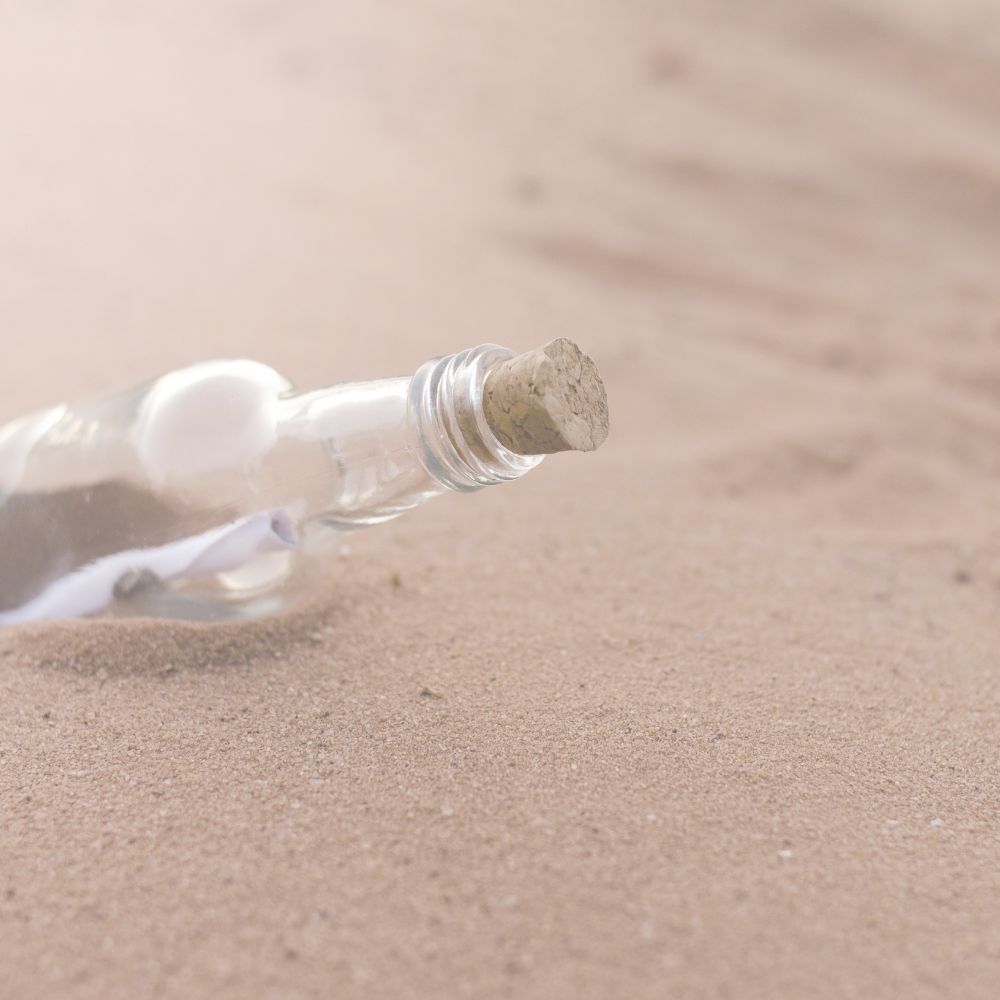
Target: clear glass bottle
x,y
213,491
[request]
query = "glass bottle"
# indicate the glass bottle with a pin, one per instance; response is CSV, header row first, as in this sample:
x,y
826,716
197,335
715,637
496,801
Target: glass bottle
x,y
215,491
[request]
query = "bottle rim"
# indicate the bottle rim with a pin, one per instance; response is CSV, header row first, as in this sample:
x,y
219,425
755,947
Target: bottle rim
x,y
458,448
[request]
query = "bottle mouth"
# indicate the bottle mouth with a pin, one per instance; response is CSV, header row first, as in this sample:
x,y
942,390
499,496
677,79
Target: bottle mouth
x,y
458,448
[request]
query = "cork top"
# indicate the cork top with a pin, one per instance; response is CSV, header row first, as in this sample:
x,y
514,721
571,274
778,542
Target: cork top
x,y
547,400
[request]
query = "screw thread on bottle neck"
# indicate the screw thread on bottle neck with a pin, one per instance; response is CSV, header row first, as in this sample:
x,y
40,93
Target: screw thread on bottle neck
x,y
458,448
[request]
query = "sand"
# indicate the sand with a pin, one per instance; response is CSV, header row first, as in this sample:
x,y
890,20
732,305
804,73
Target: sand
x,y
711,712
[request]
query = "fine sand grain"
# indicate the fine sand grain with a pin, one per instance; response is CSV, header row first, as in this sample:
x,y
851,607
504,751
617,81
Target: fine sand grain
x,y
712,712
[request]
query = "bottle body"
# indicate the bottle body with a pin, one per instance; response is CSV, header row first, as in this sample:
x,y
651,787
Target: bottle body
x,y
216,490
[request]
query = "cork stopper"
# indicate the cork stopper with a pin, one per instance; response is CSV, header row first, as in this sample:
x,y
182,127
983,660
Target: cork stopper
x,y
547,400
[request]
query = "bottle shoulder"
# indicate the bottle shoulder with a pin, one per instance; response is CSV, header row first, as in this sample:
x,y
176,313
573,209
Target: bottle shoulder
x,y
208,415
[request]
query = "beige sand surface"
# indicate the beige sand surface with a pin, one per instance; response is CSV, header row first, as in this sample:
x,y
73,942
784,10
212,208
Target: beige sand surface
x,y
710,713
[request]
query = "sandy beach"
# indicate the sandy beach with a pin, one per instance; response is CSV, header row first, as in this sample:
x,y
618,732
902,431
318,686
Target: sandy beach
x,y
712,712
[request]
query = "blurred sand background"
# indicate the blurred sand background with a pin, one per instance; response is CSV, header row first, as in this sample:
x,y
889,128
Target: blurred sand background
x,y
711,713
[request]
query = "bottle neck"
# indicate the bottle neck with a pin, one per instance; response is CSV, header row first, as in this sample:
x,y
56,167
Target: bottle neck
x,y
445,404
